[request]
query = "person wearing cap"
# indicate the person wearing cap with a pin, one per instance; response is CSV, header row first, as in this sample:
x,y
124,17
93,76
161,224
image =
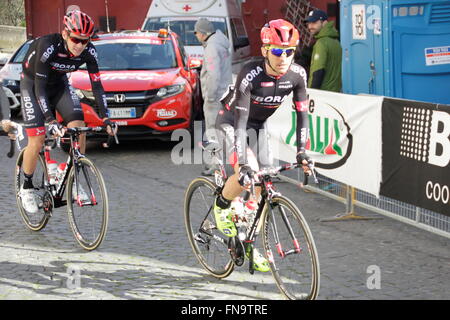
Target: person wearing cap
x,y
215,76
325,70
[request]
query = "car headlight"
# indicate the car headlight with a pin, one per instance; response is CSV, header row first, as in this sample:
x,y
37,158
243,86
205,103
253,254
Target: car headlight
x,y
84,94
10,82
172,90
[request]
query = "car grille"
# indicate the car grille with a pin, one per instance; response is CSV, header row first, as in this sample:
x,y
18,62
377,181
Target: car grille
x,y
140,100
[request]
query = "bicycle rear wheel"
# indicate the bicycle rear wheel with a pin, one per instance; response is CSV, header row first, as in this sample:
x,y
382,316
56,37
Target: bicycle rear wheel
x,y
34,221
87,204
209,245
290,249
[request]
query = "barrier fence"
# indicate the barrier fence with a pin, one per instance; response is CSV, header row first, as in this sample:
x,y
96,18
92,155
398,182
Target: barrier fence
x,y
390,156
421,218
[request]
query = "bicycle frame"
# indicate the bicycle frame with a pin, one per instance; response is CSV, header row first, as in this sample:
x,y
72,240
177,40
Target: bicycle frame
x,y
268,192
58,189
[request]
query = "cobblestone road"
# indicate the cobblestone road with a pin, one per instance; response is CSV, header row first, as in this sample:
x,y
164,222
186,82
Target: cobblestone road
x,y
146,254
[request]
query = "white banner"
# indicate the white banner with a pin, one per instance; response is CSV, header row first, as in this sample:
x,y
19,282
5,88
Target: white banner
x,y
344,140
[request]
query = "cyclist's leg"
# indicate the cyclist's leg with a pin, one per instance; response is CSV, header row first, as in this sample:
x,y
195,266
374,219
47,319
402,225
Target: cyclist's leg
x,y
265,150
69,107
233,188
226,136
222,211
34,124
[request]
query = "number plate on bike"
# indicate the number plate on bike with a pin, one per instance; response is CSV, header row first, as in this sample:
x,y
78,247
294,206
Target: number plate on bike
x,y
121,113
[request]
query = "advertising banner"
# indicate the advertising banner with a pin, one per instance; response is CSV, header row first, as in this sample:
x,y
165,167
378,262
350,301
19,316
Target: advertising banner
x,y
416,153
344,139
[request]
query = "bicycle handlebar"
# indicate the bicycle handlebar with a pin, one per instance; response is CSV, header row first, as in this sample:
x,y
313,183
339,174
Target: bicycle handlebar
x,y
78,130
273,171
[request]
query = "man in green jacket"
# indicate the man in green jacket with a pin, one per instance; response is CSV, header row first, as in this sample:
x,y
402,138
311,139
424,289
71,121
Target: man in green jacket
x,y
325,72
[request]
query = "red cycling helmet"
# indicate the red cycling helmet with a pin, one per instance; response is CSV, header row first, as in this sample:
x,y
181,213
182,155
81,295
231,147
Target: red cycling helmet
x,y
280,33
79,23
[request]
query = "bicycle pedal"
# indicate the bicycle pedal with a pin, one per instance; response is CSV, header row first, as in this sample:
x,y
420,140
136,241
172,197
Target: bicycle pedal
x,y
237,251
199,238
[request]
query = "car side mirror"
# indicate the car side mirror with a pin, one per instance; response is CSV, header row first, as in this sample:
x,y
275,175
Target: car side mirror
x,y
194,63
241,42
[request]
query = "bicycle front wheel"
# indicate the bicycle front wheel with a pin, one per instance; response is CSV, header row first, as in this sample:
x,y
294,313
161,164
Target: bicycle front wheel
x,y
290,249
87,204
38,220
209,245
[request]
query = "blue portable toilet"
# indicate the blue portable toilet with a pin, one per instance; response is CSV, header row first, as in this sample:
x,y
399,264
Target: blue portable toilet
x,y
396,48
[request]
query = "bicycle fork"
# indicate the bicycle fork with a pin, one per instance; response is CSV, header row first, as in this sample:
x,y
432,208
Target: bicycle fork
x,y
80,203
281,252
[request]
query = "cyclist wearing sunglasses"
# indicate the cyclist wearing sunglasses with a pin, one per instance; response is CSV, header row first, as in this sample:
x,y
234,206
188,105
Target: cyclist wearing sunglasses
x,y
45,87
261,86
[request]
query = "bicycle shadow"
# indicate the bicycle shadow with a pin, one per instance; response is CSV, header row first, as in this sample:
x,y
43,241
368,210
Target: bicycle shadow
x,y
57,280
154,231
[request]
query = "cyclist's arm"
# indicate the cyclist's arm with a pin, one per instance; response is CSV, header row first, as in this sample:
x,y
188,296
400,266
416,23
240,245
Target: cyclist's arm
x,y
241,113
301,107
45,51
41,73
96,83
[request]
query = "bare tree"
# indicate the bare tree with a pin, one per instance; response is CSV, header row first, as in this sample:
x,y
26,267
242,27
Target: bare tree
x,y
12,12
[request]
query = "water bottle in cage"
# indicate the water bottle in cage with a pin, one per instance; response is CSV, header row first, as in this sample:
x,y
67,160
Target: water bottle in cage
x,y
60,171
52,167
250,211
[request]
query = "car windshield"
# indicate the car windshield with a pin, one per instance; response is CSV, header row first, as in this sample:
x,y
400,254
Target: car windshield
x,y
134,56
20,54
184,28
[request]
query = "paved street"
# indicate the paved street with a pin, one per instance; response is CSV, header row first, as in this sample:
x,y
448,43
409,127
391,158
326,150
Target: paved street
x,y
146,254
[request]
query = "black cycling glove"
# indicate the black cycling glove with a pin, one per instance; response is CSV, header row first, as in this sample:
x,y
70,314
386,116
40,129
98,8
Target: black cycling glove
x,y
245,174
302,156
55,128
108,122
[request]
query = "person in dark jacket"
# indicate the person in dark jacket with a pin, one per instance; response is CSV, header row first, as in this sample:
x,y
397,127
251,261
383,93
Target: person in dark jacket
x,y
325,70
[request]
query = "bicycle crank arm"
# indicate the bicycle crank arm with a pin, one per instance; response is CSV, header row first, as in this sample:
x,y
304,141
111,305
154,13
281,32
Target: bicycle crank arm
x,y
199,238
215,237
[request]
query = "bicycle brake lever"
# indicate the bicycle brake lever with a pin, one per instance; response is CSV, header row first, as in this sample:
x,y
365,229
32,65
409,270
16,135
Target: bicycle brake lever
x,y
313,173
108,142
12,148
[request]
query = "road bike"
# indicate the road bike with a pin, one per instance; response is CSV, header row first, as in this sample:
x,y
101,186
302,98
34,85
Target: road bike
x,y
287,240
78,184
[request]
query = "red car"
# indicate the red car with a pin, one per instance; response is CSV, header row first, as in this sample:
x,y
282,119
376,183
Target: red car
x,y
151,86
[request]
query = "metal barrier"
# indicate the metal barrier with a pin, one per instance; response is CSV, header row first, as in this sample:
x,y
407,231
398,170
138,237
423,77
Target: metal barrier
x,y
421,218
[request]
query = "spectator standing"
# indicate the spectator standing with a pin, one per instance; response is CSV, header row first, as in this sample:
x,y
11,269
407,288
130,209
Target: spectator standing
x,y
325,71
215,76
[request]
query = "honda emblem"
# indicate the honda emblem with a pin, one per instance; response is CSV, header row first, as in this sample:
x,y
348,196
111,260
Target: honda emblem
x,y
119,98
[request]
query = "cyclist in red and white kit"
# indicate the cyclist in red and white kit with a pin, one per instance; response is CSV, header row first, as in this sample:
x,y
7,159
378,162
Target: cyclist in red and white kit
x,y
260,88
44,87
